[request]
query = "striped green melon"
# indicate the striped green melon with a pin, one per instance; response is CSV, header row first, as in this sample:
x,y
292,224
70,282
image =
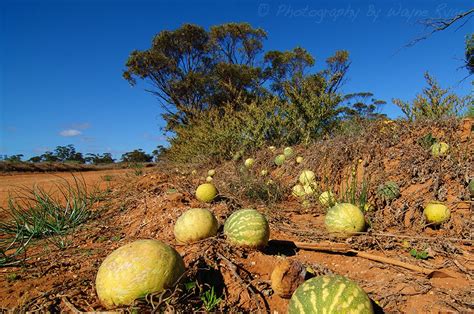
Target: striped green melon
x,y
327,198
280,160
288,152
330,294
247,227
388,191
439,149
298,191
344,219
307,177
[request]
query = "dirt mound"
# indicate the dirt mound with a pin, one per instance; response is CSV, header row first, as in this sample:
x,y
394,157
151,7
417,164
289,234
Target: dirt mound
x,y
148,206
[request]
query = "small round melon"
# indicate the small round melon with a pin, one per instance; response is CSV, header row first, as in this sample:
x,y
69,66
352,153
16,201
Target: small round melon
x,y
249,162
369,207
211,173
237,155
288,152
388,191
299,159
135,270
307,177
436,213
439,149
209,179
308,190
194,225
206,192
247,227
327,198
280,160
298,191
344,219
330,294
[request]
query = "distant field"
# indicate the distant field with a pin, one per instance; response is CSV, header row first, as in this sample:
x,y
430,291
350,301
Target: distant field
x,y
6,166
48,181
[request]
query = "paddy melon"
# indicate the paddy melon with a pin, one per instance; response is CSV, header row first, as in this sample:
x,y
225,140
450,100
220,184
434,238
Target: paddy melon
x,y
439,149
206,192
135,270
280,160
330,294
344,219
436,213
247,227
195,224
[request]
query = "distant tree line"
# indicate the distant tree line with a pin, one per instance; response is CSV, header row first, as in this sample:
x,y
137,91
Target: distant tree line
x,y
68,154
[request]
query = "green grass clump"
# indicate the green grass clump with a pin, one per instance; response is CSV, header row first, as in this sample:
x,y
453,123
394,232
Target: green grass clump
x,y
35,213
12,251
107,177
210,300
257,188
354,192
419,254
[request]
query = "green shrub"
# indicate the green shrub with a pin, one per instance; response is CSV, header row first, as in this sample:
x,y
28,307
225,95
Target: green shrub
x,y
224,132
433,103
304,114
311,111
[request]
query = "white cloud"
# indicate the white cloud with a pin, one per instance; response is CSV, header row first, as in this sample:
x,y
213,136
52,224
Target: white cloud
x,y
70,133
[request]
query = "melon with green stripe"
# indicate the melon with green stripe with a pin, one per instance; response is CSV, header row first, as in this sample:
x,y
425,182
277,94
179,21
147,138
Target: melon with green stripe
x,y
330,294
388,191
344,220
247,227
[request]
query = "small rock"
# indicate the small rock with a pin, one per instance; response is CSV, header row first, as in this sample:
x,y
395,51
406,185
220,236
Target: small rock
x,y
287,276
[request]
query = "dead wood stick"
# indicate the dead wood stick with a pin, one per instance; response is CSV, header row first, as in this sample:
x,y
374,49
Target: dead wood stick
x,y
233,269
391,235
346,249
392,261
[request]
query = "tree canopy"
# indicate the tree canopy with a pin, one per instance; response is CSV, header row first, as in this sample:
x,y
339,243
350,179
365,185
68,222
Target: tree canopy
x,y
192,69
137,155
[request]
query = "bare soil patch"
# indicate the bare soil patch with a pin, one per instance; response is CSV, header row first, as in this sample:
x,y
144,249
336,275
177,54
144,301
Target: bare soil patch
x,y
93,179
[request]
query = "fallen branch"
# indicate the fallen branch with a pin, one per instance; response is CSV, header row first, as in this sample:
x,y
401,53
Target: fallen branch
x,y
390,235
233,268
346,249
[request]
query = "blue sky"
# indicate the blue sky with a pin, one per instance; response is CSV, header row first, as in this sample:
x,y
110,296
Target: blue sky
x,y
62,61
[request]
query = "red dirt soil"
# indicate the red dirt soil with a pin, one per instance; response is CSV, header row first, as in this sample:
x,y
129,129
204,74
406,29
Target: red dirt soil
x,y
9,182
